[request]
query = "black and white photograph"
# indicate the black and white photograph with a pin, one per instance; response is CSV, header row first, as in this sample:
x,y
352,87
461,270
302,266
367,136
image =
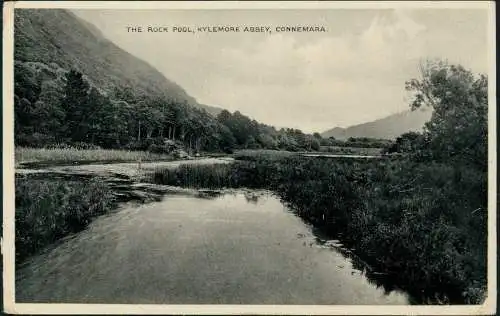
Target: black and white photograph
x,y
249,157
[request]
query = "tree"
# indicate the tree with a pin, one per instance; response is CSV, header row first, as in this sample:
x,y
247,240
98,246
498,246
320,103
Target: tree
x,y
76,104
315,144
267,141
410,142
457,130
49,108
27,88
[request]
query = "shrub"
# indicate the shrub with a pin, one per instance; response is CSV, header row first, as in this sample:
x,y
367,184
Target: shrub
x,y
48,209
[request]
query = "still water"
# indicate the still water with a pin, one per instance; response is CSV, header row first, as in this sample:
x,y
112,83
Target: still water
x,y
242,247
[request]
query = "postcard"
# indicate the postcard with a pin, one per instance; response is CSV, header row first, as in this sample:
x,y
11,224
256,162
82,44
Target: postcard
x,y
249,157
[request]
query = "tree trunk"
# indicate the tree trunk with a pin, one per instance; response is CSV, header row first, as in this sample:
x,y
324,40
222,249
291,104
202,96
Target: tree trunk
x,y
139,132
183,135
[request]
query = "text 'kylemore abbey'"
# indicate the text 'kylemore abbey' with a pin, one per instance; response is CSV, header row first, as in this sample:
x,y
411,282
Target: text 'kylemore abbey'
x,y
226,29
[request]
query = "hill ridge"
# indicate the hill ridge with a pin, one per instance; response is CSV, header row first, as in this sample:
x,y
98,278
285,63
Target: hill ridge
x,y
388,127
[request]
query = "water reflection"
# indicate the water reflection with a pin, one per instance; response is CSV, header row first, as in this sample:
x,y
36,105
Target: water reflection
x,y
209,194
333,241
252,197
210,248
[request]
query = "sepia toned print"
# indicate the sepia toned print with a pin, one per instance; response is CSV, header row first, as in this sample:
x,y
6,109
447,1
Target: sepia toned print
x,y
222,159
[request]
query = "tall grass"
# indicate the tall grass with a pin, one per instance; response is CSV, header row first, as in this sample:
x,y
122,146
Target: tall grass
x,y
49,209
25,154
216,176
424,225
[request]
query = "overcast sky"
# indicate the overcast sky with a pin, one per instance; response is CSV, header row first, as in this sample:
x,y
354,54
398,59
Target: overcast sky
x,y
353,73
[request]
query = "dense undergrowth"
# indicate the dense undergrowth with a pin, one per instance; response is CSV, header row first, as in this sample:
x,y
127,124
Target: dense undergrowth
x,y
49,209
422,224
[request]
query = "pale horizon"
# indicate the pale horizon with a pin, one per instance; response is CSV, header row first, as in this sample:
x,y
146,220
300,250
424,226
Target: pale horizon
x,y
353,73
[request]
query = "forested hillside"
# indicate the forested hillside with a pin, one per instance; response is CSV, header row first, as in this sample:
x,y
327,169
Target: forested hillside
x,y
61,37
78,87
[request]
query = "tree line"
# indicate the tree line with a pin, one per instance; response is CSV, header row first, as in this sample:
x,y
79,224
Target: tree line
x,y
56,106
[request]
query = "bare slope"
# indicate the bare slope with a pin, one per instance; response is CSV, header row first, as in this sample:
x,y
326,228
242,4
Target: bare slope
x,y
389,127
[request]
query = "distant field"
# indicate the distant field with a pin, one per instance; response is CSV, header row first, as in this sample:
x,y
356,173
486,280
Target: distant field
x,y
351,150
245,154
24,155
265,153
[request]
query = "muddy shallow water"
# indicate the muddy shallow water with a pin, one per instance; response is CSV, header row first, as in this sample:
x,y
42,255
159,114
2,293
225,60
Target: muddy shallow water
x,y
127,169
242,247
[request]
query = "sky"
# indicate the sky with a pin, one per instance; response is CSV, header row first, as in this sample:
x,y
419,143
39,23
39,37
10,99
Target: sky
x,y
353,73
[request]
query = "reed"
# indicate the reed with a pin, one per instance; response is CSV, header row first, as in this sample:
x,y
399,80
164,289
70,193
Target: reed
x,y
71,154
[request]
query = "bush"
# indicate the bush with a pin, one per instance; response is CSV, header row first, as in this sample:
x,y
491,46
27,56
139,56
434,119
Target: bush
x,y
36,140
160,149
47,210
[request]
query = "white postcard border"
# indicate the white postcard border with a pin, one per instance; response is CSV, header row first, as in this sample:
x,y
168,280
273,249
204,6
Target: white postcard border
x,y
7,243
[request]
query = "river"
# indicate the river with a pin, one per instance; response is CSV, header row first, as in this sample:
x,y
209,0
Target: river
x,y
240,247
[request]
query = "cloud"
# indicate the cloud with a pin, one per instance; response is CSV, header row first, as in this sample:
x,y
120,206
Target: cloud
x,y
329,81
314,81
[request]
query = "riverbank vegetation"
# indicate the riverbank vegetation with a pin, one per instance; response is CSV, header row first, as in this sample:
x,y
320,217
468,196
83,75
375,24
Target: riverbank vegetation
x,y
69,154
50,209
423,225
421,218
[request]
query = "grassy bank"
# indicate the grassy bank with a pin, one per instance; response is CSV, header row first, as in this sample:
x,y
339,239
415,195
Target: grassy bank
x,y
49,209
70,155
423,225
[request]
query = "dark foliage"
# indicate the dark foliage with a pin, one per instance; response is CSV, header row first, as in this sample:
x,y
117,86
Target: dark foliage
x,y
49,209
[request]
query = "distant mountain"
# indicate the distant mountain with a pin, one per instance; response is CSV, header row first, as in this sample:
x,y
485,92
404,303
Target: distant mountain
x,y
389,127
59,36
